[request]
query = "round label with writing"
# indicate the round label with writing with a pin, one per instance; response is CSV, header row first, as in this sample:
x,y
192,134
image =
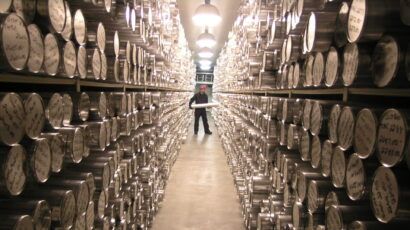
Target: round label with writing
x,y
312,202
114,129
5,6
102,137
318,69
290,77
316,152
332,123
80,221
57,152
296,75
51,55
84,105
391,139
345,128
356,19
101,39
301,186
316,118
309,70
67,33
338,168
80,30
384,195
385,61
304,146
41,160
57,14
104,67
296,216
54,110
36,58
12,119
14,170
82,62
15,41
291,142
42,215
307,108
355,177
90,215
134,54
126,72
82,198
67,209
78,145
311,32
102,201
334,220
116,44
67,109
96,64
327,153
70,59
332,67
106,176
350,63
35,115
102,105
365,133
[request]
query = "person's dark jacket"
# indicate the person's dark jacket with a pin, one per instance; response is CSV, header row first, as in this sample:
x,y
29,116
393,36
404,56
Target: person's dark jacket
x,y
199,98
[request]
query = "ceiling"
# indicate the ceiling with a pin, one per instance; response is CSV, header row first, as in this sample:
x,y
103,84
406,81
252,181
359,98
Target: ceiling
x,y
228,10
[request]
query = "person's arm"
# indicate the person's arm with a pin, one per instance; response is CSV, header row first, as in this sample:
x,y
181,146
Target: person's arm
x,y
192,101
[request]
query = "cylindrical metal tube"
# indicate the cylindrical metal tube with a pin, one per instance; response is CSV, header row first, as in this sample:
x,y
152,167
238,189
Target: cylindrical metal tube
x,y
74,143
338,167
326,158
16,222
332,68
39,154
13,173
345,128
52,55
36,57
12,115
35,114
365,133
57,150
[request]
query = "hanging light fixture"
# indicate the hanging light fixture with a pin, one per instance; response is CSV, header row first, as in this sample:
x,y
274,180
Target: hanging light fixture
x,y
206,40
207,15
205,52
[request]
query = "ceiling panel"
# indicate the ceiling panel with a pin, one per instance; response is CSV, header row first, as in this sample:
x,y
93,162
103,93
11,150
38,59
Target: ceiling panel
x,y
228,10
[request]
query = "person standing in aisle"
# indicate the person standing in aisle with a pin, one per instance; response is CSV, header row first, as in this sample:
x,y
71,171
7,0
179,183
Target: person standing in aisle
x,y
200,98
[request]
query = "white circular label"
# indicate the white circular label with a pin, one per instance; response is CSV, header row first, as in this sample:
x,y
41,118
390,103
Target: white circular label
x,y
307,108
338,168
309,70
12,119
102,105
35,115
385,61
54,110
101,38
15,41
327,153
78,145
301,186
305,146
332,123
365,133
68,28
332,67
391,139
101,204
296,75
355,177
82,62
116,44
356,20
70,59
42,160
334,219
90,215
318,70
104,66
67,109
345,128
385,195
316,152
96,64
312,202
51,55
68,210
36,58
80,221
80,29
14,171
311,32
82,198
350,63
57,14
316,118
57,152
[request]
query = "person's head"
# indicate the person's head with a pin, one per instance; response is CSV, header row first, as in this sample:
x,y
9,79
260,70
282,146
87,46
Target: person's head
x,y
202,88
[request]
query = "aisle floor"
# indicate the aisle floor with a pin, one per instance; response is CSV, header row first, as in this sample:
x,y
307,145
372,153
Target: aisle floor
x,y
200,193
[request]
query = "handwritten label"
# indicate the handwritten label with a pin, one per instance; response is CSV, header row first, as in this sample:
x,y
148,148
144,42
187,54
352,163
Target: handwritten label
x,y
82,62
296,215
355,177
104,66
67,109
101,39
82,198
356,19
391,139
301,186
101,204
14,172
79,27
365,133
385,61
307,108
309,71
333,219
68,28
36,58
102,105
42,160
80,221
90,215
283,132
77,145
16,42
350,63
332,67
12,119
67,209
296,75
312,202
318,70
316,152
316,118
385,194
54,110
51,55
304,147
57,152
96,64
338,168
106,176
35,115
332,123
57,14
70,59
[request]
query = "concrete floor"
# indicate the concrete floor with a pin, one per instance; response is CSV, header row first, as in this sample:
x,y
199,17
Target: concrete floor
x,y
200,193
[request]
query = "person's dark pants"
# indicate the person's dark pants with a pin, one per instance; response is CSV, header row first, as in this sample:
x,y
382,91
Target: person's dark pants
x,y
201,113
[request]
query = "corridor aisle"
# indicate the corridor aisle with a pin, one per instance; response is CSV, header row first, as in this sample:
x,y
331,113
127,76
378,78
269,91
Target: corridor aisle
x,y
200,193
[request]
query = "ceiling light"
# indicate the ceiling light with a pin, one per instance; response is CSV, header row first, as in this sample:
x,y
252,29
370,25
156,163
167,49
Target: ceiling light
x,y
207,15
205,62
205,52
206,40
205,67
